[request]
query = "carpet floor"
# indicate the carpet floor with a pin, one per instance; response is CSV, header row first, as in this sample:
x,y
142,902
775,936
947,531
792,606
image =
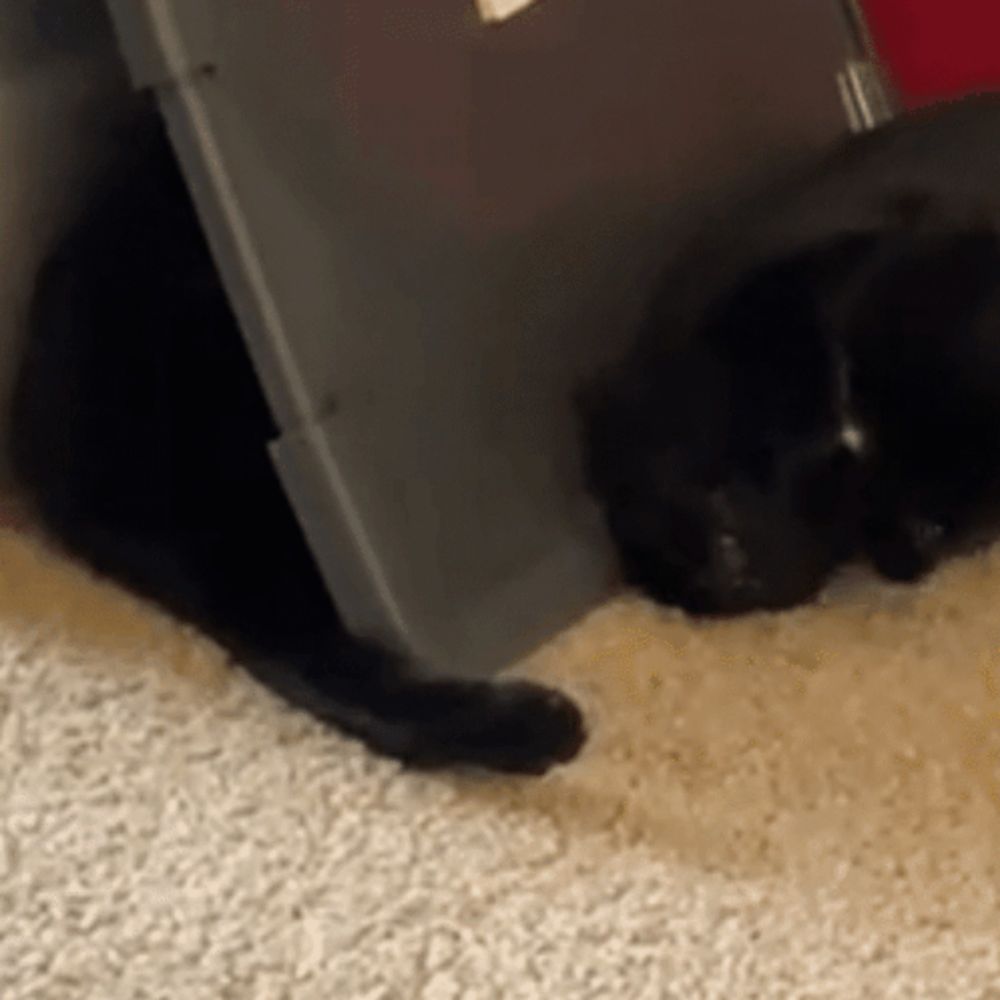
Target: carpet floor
x,y
799,805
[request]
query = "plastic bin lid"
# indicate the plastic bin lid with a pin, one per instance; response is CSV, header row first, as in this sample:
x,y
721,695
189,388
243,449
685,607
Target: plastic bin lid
x,y
431,228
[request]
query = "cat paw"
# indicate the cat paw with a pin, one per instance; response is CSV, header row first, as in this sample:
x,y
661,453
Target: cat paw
x,y
529,729
513,727
907,552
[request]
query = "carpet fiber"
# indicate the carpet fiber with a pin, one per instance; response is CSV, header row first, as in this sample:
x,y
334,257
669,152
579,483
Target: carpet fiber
x,y
804,805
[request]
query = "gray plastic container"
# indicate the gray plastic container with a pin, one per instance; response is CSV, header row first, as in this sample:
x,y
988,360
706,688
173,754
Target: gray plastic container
x,y
432,228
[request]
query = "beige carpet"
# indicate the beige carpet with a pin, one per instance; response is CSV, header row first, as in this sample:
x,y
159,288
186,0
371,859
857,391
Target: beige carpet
x,y
796,806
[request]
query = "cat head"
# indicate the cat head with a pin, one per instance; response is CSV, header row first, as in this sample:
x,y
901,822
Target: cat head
x,y
842,400
727,472
714,532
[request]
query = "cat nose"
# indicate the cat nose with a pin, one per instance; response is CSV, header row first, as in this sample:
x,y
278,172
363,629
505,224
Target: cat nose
x,y
729,571
775,575
728,556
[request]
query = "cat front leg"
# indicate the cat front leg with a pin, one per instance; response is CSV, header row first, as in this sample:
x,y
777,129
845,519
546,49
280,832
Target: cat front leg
x,y
905,547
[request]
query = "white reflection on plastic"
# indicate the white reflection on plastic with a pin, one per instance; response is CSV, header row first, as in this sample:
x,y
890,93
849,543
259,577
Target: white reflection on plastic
x,y
500,10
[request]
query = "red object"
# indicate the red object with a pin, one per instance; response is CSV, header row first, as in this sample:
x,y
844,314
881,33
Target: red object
x,y
937,49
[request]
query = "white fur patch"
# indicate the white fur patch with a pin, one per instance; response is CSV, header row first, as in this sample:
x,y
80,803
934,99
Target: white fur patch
x,y
853,437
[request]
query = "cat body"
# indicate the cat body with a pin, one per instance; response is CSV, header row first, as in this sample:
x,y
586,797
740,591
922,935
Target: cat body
x,y
139,433
817,378
61,86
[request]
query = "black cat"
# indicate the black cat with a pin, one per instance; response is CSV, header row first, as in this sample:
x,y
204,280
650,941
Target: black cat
x,y
139,432
818,377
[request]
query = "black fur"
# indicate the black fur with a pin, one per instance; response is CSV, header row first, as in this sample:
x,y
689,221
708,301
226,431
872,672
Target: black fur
x,y
818,378
863,297
140,432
